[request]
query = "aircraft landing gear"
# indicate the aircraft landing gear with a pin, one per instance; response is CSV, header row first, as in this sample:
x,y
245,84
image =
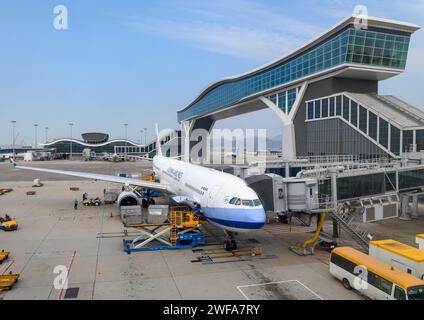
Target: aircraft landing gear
x,y
230,244
145,203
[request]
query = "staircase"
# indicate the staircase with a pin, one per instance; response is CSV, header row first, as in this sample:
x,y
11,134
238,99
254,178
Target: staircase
x,y
173,222
353,228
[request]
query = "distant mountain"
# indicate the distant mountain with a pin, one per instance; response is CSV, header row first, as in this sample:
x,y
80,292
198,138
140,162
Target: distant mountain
x,y
274,143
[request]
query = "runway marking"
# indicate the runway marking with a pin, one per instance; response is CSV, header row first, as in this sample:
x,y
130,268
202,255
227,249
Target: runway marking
x,y
239,288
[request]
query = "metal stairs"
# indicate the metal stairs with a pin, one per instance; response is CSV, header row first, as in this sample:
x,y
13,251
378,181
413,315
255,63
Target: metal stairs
x,y
173,222
355,229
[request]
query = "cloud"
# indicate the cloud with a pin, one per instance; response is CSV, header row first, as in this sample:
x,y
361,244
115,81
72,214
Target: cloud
x,y
414,7
237,28
244,42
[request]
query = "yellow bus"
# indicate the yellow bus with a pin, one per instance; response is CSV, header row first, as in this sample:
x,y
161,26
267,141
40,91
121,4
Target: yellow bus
x,y
372,278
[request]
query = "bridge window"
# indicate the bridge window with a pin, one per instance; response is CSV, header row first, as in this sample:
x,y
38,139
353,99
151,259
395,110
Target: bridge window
x,y
372,125
273,98
332,106
338,105
408,140
310,110
282,101
325,108
317,109
363,119
384,133
354,113
394,140
420,140
346,102
291,98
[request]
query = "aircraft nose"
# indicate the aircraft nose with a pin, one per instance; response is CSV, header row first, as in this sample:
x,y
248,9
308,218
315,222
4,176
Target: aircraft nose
x,y
258,217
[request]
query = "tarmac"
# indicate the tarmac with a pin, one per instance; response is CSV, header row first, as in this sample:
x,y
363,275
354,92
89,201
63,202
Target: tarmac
x,y
53,237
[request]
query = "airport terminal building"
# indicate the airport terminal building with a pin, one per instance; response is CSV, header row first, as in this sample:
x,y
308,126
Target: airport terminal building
x,y
100,143
326,95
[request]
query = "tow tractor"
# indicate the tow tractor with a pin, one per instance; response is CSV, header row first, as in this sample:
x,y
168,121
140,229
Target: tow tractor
x,y
8,224
89,202
4,255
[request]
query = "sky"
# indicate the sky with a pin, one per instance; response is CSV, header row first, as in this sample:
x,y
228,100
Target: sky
x,y
137,62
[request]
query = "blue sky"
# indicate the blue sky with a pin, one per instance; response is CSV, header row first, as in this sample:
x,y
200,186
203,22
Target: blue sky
x,y
136,62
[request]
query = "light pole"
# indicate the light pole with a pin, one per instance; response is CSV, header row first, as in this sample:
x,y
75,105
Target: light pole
x,y
126,131
35,138
145,136
126,138
70,149
13,138
47,129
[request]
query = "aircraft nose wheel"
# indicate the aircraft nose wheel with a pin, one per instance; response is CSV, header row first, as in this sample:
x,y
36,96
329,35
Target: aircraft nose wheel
x,y
230,245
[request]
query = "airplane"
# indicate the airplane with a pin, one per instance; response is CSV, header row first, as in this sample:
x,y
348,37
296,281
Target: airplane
x,y
223,199
114,157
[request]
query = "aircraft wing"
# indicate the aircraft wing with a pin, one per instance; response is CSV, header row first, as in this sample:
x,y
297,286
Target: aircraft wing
x,y
103,177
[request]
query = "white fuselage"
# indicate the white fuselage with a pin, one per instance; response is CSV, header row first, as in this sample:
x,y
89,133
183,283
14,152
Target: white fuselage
x,y
225,200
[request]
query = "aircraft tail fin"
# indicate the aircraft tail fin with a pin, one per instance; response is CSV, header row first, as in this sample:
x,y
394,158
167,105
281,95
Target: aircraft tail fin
x,y
158,146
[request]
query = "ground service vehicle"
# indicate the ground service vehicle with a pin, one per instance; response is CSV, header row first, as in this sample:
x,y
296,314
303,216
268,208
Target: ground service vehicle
x,y
372,278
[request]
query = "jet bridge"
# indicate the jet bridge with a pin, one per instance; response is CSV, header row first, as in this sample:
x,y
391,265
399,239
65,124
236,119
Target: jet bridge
x,y
375,190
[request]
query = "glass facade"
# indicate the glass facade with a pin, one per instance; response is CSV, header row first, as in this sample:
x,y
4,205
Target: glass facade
x,y
285,99
65,146
411,179
372,184
364,186
378,47
282,101
366,121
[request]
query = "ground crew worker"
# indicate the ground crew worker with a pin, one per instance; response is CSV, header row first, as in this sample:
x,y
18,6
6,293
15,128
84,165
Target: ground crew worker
x,y
76,204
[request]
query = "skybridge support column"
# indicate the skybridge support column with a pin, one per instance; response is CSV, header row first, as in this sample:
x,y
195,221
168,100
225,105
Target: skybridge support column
x,y
289,137
196,137
185,137
289,151
289,142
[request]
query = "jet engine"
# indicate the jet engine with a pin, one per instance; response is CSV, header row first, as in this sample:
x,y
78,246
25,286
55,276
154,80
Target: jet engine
x,y
127,198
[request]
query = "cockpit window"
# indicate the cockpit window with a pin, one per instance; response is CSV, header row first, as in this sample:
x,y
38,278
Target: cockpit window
x,y
233,200
257,202
248,203
238,202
